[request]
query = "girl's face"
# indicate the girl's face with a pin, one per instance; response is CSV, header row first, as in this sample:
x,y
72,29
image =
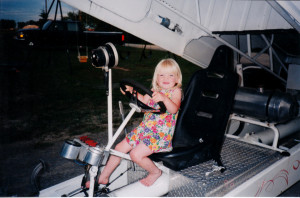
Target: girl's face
x,y
166,79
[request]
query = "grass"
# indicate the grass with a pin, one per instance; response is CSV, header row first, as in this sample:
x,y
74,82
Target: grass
x,y
48,92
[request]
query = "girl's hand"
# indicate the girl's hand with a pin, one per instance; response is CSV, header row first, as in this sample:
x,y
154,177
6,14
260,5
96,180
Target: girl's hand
x,y
172,104
128,88
143,98
157,97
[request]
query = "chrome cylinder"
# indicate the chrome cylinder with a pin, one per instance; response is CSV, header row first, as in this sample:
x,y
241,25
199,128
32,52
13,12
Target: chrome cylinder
x,y
93,156
70,149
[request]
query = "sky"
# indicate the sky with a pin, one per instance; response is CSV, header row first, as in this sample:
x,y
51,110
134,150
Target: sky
x,y
25,10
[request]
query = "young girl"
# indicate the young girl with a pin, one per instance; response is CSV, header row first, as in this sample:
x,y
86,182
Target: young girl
x,y
155,132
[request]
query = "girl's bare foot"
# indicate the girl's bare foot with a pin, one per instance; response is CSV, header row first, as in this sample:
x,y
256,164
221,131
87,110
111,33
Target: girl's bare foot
x,y
100,181
87,184
103,181
151,178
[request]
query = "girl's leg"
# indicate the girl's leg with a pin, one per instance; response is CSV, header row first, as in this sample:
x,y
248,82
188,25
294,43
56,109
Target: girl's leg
x,y
113,162
140,156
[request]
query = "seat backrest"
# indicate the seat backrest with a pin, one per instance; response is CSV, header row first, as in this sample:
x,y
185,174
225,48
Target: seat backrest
x,y
207,103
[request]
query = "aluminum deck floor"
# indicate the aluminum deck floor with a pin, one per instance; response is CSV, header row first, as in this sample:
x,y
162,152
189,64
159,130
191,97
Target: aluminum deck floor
x,y
242,161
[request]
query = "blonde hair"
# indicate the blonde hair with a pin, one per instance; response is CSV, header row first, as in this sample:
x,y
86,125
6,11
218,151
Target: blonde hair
x,y
171,66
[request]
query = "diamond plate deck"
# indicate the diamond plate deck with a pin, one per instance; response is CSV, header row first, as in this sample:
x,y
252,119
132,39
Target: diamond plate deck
x,y
241,159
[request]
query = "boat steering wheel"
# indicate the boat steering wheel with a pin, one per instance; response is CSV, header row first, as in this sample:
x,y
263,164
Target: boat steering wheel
x,y
133,96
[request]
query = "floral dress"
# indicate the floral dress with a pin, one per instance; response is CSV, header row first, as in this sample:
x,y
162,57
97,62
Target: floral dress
x,y
156,130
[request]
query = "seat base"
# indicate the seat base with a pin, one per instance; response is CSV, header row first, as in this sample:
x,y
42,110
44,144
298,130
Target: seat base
x,y
181,158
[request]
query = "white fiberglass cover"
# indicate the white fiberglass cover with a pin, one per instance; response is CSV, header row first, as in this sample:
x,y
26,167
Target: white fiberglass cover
x,y
178,25
126,9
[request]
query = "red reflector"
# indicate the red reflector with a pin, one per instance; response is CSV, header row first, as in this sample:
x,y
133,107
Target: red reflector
x,y
123,37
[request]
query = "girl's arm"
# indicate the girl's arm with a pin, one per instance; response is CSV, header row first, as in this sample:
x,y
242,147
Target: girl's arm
x,y
143,98
173,104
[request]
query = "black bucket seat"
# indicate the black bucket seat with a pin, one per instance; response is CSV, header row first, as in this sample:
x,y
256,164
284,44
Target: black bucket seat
x,y
204,113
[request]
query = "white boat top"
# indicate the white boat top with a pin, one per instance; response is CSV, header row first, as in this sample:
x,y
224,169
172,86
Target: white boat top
x,y
185,28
